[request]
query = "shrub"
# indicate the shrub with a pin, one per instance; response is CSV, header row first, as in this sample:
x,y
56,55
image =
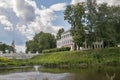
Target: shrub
x,y
56,50
2,59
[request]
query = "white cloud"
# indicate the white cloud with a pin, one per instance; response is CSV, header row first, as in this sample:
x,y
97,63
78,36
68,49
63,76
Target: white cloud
x,y
76,1
58,7
21,28
110,2
43,21
4,21
29,19
5,4
24,10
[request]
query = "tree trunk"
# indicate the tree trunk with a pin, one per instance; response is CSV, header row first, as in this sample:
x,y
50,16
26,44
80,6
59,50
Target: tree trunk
x,y
78,48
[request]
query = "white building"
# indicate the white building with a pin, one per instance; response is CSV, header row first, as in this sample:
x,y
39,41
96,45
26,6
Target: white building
x,y
65,41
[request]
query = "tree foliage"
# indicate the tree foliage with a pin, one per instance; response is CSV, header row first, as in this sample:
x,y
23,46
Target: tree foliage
x,y
60,31
40,42
92,22
90,16
74,14
4,47
108,23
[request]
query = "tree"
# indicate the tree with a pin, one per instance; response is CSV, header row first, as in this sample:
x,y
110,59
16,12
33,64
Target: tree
x,y
79,37
4,47
107,24
115,10
93,22
90,16
60,31
32,46
74,14
40,42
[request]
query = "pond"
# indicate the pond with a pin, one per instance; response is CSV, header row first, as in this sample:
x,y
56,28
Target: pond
x,y
39,73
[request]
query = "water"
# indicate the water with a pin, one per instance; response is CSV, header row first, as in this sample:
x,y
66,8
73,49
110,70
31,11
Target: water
x,y
38,73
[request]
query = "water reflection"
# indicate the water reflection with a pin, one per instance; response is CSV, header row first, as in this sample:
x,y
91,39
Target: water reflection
x,y
36,67
110,77
8,70
37,73
32,76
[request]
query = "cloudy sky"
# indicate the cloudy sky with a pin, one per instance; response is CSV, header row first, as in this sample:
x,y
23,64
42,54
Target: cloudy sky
x,y
21,19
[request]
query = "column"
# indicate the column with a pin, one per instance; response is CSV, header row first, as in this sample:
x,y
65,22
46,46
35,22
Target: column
x,y
1,52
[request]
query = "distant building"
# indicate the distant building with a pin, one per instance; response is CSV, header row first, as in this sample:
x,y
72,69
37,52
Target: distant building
x,y
66,40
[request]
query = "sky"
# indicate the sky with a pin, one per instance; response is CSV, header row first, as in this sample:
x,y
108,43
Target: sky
x,y
20,20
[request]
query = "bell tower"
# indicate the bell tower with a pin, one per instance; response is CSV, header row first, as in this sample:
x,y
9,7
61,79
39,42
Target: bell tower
x,y
13,46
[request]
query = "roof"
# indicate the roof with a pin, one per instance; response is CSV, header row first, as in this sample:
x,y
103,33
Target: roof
x,y
66,31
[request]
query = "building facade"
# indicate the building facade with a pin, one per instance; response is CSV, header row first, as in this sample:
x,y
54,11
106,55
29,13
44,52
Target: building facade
x,y
66,40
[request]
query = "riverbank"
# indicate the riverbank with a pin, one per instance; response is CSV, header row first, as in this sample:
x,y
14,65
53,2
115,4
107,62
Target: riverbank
x,y
107,56
72,59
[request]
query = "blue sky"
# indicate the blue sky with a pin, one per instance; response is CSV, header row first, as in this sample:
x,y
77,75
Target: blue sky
x,y
48,3
21,19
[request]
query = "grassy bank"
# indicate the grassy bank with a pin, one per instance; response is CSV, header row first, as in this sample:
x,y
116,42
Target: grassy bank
x,y
5,62
107,56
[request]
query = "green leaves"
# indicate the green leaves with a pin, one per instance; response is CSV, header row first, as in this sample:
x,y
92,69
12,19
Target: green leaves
x,y
101,22
73,14
60,31
4,47
41,41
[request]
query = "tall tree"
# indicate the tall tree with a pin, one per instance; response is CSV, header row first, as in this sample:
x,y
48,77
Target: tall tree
x,y
32,46
115,10
92,22
107,24
74,14
90,16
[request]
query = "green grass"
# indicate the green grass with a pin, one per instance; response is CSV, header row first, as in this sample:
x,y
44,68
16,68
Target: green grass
x,y
4,62
106,56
